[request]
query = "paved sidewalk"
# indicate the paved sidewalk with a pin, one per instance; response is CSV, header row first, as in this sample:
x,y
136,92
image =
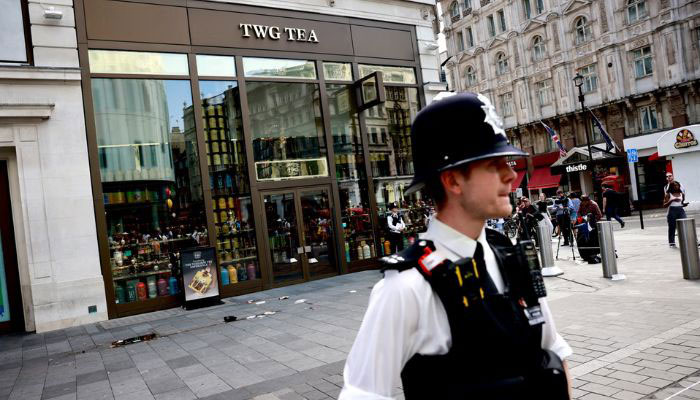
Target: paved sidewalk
x,y
634,339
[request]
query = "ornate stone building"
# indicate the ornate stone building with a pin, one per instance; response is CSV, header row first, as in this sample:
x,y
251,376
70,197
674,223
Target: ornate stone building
x,y
640,60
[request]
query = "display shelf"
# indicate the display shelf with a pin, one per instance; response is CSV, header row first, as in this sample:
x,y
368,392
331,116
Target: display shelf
x,y
140,275
237,260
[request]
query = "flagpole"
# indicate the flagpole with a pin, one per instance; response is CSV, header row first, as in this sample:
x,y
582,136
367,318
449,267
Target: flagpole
x,y
578,81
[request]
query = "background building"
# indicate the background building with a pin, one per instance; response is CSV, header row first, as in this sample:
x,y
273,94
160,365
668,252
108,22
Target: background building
x,y
50,274
640,62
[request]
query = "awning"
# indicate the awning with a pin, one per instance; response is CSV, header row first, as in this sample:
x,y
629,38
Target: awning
x,y
542,178
518,180
654,156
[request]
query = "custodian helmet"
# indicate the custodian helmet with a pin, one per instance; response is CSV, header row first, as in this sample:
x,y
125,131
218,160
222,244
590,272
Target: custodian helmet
x,y
454,131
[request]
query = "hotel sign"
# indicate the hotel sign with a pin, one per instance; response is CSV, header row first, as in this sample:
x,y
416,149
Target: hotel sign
x,y
276,33
576,168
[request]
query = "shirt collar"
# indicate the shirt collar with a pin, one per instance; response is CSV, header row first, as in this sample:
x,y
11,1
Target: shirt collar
x,y
457,243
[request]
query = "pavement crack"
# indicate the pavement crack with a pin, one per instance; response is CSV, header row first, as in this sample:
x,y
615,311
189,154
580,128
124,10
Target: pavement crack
x,y
577,282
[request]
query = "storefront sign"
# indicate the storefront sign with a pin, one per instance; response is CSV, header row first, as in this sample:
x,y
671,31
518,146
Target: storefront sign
x,y
275,33
632,155
199,273
576,168
685,138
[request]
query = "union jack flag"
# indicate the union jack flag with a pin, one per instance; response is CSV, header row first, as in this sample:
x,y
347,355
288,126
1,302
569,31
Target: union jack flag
x,y
555,138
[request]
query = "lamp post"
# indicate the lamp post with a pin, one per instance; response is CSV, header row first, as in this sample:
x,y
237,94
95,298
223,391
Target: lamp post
x,y
578,81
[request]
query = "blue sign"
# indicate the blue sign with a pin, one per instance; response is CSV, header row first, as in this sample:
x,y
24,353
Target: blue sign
x,y
632,155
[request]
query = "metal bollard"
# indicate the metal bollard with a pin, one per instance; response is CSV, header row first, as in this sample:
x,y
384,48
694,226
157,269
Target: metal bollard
x,y
607,250
544,237
689,248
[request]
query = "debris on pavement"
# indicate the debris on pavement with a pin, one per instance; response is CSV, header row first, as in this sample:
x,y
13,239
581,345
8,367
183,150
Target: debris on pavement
x,y
283,298
135,339
230,318
300,301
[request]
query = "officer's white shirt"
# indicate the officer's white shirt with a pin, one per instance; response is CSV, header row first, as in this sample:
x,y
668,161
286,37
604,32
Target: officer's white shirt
x,y
405,317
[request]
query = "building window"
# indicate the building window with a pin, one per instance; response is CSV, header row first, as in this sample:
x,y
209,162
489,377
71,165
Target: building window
x,y
470,76
470,37
583,30
526,9
538,49
648,116
642,62
491,26
544,90
460,41
502,20
466,7
539,6
590,78
506,102
13,41
454,11
636,10
501,64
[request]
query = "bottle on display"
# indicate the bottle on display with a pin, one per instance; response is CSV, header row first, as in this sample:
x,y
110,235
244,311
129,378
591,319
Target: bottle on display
x,y
141,291
232,274
131,292
162,287
359,252
347,251
405,242
251,271
366,253
371,250
121,294
152,289
172,285
387,247
224,276
381,246
241,272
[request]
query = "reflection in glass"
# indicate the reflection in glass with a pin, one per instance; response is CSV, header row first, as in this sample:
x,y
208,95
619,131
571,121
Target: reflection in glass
x,y
350,172
391,159
390,74
228,176
152,189
278,68
318,232
285,249
337,71
287,130
13,47
216,66
136,62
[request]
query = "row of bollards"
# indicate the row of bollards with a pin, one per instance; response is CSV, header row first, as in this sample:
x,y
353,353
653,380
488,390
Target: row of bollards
x,y
687,236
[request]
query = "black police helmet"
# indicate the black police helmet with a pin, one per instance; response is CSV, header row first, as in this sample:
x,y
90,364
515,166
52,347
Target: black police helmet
x,y
454,131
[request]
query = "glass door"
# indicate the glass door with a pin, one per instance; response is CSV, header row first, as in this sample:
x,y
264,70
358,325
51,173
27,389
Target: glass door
x,y
11,313
299,226
319,249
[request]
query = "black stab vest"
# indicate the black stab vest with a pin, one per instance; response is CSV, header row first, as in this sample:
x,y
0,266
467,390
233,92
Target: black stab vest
x,y
495,353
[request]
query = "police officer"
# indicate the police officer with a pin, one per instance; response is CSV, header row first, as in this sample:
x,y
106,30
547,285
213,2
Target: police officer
x,y
449,320
396,227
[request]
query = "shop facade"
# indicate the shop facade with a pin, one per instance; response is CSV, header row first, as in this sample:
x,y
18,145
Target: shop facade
x,y
680,146
278,138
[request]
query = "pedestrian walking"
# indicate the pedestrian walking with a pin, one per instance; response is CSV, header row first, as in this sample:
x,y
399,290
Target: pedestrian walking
x,y
669,179
396,226
563,214
450,319
611,204
675,201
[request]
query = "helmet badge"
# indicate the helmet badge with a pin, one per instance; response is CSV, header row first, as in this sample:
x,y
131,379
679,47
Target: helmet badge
x,y
491,117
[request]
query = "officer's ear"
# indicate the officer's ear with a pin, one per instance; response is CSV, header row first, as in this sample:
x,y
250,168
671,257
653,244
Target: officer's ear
x,y
450,181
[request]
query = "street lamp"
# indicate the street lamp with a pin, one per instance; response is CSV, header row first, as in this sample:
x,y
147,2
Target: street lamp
x,y
578,81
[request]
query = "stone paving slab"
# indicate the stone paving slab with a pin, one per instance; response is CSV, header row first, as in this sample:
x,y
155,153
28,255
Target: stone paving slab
x,y
634,339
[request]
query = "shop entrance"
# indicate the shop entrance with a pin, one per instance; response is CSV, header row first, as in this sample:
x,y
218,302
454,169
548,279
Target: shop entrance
x,y
11,314
300,237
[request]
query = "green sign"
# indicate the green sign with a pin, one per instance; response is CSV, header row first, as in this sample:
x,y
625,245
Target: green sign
x,y
4,303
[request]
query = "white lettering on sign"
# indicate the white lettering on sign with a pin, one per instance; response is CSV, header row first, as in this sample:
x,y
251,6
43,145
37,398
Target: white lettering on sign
x,y
275,33
576,168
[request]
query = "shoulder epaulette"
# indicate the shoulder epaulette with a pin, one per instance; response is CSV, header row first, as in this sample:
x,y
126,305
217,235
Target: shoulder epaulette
x,y
406,258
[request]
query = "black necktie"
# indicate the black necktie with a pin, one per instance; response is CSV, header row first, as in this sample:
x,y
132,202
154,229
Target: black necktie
x,y
478,256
